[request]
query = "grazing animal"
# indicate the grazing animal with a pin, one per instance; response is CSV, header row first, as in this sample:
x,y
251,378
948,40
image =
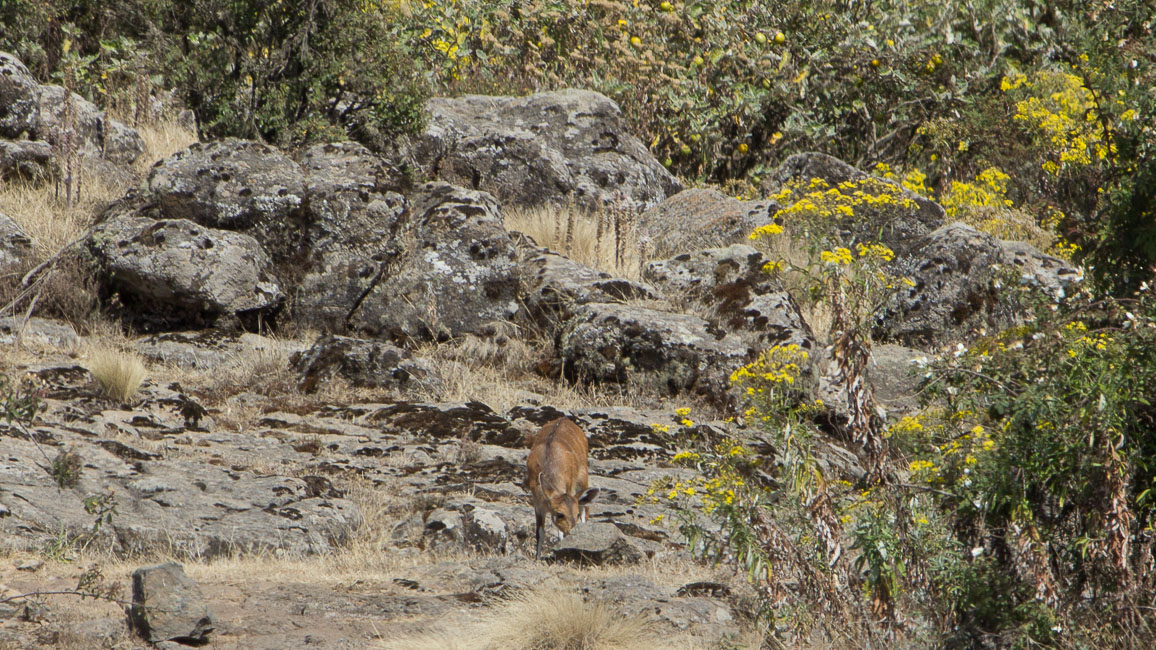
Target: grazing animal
x,y
557,478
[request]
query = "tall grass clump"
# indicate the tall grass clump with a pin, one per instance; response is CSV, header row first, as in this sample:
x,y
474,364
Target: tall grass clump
x,y
608,239
542,618
118,373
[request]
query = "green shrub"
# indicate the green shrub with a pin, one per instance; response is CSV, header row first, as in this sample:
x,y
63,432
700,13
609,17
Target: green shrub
x,y
1048,457
290,72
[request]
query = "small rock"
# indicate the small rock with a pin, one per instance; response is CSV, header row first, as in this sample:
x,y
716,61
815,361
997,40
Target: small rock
x,y
31,565
598,544
485,530
168,606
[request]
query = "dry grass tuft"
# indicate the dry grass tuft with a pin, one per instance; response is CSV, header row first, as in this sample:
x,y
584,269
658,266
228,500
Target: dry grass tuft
x,y
543,618
162,139
608,240
119,373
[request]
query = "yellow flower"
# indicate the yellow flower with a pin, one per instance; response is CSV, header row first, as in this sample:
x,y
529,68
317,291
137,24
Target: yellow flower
x,y
682,412
635,41
743,147
838,256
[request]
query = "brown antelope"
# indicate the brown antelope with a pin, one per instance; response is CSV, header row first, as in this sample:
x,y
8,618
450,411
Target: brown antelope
x,y
557,478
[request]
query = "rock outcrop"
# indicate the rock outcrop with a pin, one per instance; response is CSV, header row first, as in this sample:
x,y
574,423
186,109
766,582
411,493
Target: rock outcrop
x,y
729,288
669,352
552,147
49,114
455,273
174,272
960,275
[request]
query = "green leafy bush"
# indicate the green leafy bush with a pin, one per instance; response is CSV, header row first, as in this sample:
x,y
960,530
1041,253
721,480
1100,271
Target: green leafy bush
x,y
270,69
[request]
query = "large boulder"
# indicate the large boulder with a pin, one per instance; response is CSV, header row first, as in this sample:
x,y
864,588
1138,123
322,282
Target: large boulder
x,y
456,272
354,217
959,275
234,185
19,99
668,352
28,159
701,218
566,145
167,605
175,272
51,114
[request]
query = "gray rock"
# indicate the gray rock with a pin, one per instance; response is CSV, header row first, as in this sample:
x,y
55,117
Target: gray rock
x,y
100,137
668,352
211,348
598,544
176,271
361,363
443,529
19,98
189,507
485,530
354,223
28,159
41,331
550,147
895,378
15,246
900,228
31,111
728,288
457,274
553,285
446,421
234,185
959,274
167,605
703,218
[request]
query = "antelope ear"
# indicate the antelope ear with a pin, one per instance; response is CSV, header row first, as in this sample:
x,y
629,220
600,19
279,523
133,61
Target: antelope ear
x,y
588,496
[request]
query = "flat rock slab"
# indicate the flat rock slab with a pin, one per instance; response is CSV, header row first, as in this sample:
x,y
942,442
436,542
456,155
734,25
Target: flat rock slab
x,y
193,509
598,544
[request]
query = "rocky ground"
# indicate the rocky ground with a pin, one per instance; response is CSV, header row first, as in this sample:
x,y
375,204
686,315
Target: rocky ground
x,y
325,525
352,474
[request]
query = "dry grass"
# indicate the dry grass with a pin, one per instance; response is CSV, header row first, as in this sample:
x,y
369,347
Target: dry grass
x,y
162,139
546,617
118,372
52,223
47,218
501,389
614,247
